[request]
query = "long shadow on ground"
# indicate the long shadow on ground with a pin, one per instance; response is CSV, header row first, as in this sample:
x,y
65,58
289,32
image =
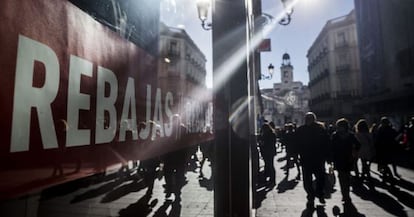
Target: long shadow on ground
x,y
382,200
286,185
143,207
123,190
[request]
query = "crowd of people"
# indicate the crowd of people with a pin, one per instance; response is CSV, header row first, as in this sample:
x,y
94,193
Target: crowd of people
x,y
173,167
341,146
313,149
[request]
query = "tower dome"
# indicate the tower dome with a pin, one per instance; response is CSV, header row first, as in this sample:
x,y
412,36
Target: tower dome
x,y
286,59
286,56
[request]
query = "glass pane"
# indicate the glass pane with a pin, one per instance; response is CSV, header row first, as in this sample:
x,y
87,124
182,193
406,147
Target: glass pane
x,y
352,67
110,109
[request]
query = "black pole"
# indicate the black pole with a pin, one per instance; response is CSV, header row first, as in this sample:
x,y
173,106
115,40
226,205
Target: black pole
x,y
232,177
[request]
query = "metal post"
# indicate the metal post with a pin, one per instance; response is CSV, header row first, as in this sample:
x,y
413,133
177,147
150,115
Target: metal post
x,y
232,176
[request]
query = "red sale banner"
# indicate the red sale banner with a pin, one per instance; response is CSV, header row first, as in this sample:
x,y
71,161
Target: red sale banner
x,y
76,98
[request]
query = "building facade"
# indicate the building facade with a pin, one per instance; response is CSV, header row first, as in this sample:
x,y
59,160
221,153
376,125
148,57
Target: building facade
x,y
182,67
386,43
288,100
334,71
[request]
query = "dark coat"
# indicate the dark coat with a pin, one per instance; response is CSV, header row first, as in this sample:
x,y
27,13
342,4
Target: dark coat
x,y
267,146
289,139
313,145
343,147
385,143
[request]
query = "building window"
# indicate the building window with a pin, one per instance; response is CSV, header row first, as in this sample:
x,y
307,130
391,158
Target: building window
x,y
340,39
173,50
342,61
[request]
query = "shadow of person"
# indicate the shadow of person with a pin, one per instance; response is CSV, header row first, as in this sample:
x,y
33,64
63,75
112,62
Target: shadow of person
x,y
382,200
66,188
139,209
261,179
281,159
403,196
307,212
206,183
285,185
403,183
349,211
96,191
122,191
162,210
374,182
175,210
260,196
320,211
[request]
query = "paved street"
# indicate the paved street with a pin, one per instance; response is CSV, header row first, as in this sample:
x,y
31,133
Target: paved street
x,y
288,198
124,197
115,196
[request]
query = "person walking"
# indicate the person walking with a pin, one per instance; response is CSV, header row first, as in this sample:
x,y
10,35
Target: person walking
x,y
367,150
148,170
268,152
386,147
291,149
174,172
313,147
344,144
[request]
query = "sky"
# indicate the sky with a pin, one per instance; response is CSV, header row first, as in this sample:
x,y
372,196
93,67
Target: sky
x,y
308,19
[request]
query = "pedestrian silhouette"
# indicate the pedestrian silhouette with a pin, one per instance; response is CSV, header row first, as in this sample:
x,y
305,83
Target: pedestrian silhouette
x,y
344,145
175,163
291,149
268,152
313,147
386,146
367,150
148,170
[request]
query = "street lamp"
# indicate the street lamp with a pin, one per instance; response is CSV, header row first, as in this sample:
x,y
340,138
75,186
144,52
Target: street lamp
x,y
270,70
202,8
204,5
288,13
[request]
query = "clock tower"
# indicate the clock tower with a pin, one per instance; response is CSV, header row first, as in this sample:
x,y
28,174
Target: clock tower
x,y
286,70
288,100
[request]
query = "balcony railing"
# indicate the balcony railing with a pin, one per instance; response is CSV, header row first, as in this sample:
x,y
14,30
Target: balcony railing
x,y
343,68
318,58
341,45
319,78
320,98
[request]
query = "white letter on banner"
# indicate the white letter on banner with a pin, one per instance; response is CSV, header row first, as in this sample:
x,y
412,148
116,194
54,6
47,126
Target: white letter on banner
x,y
158,115
144,133
77,101
129,102
168,102
26,96
103,104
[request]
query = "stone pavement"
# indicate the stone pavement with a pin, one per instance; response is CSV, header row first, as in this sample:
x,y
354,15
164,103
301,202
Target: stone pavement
x,y
115,196
288,198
